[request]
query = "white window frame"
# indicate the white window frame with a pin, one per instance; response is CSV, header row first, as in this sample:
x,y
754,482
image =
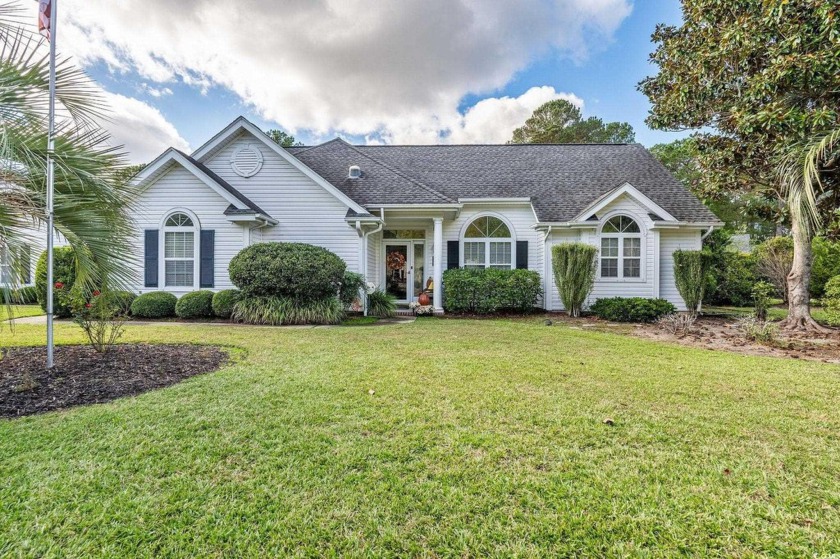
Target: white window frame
x,y
641,235
196,231
487,241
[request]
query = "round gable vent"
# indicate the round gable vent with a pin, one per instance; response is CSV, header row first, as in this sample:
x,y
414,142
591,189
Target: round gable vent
x,y
246,161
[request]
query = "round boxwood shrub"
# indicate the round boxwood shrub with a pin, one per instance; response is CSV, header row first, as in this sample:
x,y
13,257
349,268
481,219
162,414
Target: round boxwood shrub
x,y
64,274
293,270
157,304
223,302
632,309
198,304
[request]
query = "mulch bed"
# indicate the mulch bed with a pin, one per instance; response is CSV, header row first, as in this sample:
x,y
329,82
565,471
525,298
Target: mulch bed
x,y
82,376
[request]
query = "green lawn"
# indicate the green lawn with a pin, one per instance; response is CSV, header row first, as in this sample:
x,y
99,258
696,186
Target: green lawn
x,y
19,311
773,313
483,438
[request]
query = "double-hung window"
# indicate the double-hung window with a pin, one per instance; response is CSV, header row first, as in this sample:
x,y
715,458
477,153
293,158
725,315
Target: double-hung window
x,y
488,243
179,251
621,248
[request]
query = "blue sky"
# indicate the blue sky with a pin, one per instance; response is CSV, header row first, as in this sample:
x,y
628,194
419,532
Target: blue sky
x,y
416,72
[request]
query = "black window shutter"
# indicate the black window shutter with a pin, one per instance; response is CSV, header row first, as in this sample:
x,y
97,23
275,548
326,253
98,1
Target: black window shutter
x,y
453,254
150,258
208,241
521,255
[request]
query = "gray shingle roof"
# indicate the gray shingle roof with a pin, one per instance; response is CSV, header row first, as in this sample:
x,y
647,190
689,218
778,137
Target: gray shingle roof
x,y
560,179
227,186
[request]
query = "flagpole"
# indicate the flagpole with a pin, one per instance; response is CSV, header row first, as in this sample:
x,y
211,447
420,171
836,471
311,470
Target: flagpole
x,y
50,183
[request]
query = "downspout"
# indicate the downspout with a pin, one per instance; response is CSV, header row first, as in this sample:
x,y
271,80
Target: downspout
x,y
546,274
707,233
365,252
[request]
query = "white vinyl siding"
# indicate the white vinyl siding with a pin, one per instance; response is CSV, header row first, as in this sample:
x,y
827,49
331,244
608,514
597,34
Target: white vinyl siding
x,y
305,211
671,240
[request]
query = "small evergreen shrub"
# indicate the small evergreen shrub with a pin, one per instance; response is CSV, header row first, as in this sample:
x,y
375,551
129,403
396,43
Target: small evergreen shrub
x,y
64,277
690,273
757,330
287,270
197,304
574,265
731,278
223,302
276,311
157,304
381,304
487,291
761,292
632,309
25,295
351,288
831,301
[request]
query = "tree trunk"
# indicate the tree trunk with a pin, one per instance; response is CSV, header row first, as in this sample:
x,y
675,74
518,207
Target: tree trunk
x,y
799,282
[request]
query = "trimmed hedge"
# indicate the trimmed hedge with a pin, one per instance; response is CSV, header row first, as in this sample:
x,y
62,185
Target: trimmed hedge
x,y
64,272
197,304
831,301
488,291
293,270
157,304
223,302
632,309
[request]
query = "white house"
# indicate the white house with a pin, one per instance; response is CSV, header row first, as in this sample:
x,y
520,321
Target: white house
x,y
400,215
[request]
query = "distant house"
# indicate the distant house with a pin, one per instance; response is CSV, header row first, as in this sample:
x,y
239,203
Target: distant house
x,y
400,215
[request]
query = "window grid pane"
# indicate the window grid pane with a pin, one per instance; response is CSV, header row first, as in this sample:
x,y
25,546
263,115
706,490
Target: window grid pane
x,y
179,273
179,245
474,255
632,268
633,248
500,255
609,267
609,248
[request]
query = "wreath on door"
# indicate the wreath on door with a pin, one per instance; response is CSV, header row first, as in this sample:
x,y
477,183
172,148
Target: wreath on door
x,y
395,261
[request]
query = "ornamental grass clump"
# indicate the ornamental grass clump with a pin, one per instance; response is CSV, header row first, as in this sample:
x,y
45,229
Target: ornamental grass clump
x,y
381,304
691,268
573,265
278,311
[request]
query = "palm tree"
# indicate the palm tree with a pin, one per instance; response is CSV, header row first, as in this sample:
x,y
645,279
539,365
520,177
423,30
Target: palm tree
x,y
803,172
92,200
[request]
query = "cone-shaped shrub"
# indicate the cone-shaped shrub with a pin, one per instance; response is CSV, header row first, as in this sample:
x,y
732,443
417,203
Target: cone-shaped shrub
x,y
690,270
573,265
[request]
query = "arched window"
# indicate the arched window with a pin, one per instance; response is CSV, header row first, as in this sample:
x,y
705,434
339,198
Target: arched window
x,y
621,248
179,250
488,243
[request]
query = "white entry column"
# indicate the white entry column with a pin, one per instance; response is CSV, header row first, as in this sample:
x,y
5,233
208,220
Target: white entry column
x,y
437,297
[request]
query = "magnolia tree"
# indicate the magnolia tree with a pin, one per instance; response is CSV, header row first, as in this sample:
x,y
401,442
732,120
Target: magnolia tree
x,y
762,77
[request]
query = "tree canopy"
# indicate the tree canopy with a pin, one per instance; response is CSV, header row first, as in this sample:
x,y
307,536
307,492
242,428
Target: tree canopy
x,y
282,138
561,122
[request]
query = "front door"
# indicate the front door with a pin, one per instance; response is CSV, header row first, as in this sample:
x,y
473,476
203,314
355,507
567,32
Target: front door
x,y
404,269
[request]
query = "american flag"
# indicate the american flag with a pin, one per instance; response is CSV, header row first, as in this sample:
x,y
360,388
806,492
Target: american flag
x,y
44,17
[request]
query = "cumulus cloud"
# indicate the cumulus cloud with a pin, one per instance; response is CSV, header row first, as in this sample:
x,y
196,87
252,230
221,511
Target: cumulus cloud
x,y
392,69
141,128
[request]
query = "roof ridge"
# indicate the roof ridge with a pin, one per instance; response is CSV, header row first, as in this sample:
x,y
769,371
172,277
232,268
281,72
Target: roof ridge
x,y
613,144
400,173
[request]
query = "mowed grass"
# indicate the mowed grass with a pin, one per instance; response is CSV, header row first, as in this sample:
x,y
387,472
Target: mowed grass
x,y
482,438
19,311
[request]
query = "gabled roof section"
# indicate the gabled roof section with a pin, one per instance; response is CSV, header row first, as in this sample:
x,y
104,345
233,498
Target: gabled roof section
x,y
629,190
231,130
561,180
159,166
379,184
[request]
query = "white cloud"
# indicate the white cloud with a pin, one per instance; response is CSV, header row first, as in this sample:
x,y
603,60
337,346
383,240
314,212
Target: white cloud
x,y
395,69
156,92
141,128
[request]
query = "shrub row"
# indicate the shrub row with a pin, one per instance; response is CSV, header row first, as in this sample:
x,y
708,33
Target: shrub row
x,y
632,309
489,291
194,305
